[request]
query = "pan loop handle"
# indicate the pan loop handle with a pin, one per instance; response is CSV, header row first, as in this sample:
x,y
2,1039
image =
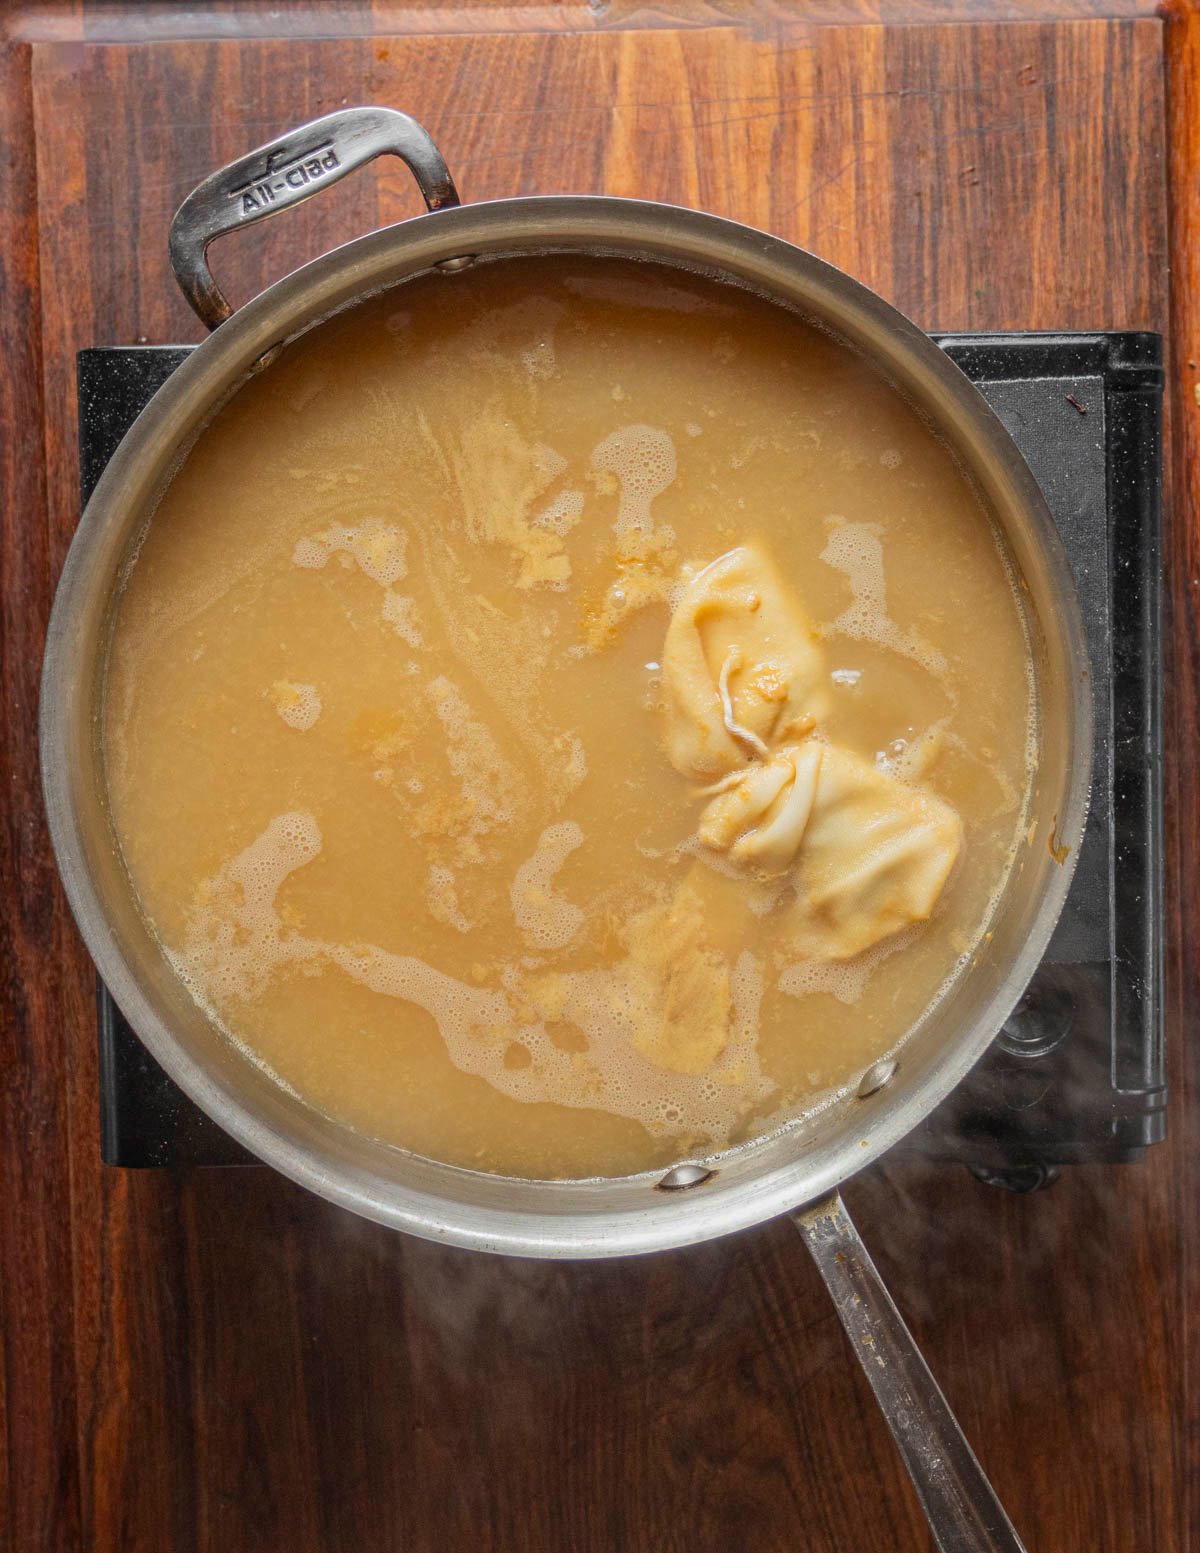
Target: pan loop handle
x,y
960,1504
287,171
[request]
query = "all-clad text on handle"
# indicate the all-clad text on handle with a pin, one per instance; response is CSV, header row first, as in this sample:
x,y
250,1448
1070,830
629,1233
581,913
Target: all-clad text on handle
x,y
283,173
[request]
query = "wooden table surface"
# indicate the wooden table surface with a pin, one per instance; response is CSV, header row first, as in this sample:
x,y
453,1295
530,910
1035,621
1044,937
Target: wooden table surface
x,y
217,1361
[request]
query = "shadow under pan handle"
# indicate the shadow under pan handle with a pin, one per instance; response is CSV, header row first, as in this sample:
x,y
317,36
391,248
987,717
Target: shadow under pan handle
x,y
287,171
964,1513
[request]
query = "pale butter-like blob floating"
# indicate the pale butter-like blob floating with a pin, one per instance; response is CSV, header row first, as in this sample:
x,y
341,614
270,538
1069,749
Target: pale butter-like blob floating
x,y
856,550
741,668
865,853
548,921
856,853
643,460
869,854
235,943
759,815
298,705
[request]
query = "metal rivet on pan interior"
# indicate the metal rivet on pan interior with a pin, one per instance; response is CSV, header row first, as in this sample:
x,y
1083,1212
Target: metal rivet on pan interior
x,y
680,1177
456,264
876,1076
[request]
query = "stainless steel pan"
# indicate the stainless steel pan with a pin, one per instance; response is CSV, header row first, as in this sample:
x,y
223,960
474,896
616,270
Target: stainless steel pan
x,y
800,1168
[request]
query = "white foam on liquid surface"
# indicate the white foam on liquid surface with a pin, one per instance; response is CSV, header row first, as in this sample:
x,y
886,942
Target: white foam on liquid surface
x,y
548,920
562,514
643,460
298,705
376,548
236,942
441,898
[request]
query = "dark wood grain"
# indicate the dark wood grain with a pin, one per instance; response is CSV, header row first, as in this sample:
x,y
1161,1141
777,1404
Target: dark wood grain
x,y
121,21
218,1362
1183,696
38,1470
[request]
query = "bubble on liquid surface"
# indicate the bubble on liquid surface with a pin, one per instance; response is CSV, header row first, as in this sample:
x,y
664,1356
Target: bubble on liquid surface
x,y
376,548
298,705
548,920
643,460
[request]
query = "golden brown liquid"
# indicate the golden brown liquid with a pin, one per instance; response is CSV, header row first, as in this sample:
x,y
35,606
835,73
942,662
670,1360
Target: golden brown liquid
x,y
383,725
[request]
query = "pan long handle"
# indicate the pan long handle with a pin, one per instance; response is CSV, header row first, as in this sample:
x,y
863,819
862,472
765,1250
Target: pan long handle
x,y
963,1512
